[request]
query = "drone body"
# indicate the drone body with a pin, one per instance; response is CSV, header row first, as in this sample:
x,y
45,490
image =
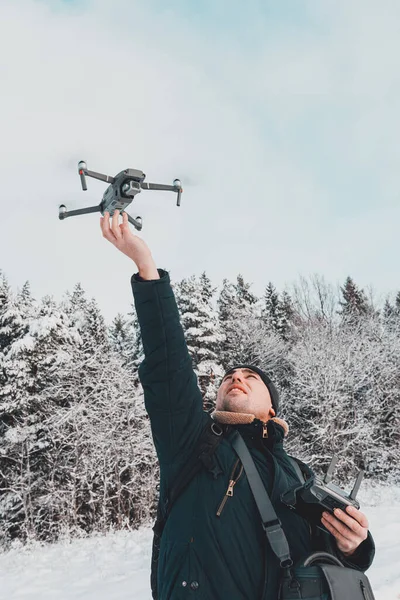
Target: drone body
x,y
120,193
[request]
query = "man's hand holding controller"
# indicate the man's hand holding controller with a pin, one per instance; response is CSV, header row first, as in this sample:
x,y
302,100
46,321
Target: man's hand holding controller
x,y
121,236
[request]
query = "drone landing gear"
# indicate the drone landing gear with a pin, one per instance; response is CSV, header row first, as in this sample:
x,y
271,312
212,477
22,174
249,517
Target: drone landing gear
x,y
63,214
137,223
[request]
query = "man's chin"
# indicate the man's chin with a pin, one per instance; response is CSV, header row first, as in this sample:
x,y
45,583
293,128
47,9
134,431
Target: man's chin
x,y
234,407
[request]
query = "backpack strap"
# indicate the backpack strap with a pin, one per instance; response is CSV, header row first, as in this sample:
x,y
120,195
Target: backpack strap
x,y
296,466
202,456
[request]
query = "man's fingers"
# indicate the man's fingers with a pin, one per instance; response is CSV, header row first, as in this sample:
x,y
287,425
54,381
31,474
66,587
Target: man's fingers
x,y
344,543
107,231
115,225
351,523
125,221
358,515
341,528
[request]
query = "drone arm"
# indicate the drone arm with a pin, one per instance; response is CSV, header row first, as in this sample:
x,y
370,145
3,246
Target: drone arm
x,y
100,176
82,169
137,223
167,188
158,186
63,213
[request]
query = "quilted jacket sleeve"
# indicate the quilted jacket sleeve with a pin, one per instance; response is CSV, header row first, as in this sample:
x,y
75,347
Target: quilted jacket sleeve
x,y
172,397
361,559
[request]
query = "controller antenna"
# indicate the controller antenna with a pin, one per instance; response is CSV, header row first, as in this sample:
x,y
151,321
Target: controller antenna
x,y
357,484
331,468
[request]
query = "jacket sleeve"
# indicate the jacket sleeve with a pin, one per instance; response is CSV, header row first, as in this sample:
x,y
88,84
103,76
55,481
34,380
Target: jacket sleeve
x,y
361,559
172,397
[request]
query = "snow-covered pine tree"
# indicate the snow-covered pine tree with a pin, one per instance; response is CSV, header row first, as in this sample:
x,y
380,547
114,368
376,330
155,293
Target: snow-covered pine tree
x,y
13,316
277,311
29,363
202,332
225,300
25,299
239,315
76,455
285,316
391,313
104,391
119,337
75,306
16,312
390,316
95,326
210,369
105,471
111,464
137,350
270,310
245,297
354,303
388,311
126,342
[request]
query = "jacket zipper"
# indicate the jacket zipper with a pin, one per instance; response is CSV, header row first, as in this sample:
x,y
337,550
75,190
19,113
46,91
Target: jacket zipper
x,y
232,483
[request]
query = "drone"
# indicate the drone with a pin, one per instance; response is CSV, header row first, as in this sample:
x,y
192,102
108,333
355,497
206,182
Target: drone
x,y
119,194
316,495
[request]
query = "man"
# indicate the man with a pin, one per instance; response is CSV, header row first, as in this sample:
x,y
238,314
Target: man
x,y
213,545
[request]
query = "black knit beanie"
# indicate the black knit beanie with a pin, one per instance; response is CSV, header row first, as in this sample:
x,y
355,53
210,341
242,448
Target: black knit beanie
x,y
271,388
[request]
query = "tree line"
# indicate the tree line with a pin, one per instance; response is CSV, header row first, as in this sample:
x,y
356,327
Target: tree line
x,y
76,454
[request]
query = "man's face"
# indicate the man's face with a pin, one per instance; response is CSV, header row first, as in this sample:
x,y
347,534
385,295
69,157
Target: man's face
x,y
244,391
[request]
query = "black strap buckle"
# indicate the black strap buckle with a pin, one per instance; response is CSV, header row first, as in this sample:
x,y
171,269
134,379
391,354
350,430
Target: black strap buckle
x,y
272,525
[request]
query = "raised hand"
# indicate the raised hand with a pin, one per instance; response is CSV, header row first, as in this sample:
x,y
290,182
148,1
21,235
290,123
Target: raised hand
x,y
121,236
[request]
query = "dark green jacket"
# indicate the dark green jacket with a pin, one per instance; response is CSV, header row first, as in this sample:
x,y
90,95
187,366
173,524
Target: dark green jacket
x,y
202,555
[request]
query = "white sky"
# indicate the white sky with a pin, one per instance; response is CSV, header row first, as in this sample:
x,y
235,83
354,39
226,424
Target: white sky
x,y
282,125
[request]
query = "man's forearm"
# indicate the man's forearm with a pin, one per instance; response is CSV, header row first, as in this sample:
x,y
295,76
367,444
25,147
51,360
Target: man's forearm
x,y
149,271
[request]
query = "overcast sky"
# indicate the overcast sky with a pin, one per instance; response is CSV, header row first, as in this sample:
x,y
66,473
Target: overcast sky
x,y
280,118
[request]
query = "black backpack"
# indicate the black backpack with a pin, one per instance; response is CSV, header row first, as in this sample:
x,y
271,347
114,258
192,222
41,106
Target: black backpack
x,y
202,457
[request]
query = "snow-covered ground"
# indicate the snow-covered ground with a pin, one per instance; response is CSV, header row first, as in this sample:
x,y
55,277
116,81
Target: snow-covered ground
x,y
116,566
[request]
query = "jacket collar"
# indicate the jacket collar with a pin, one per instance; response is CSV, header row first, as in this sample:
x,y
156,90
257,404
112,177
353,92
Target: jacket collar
x,y
271,432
